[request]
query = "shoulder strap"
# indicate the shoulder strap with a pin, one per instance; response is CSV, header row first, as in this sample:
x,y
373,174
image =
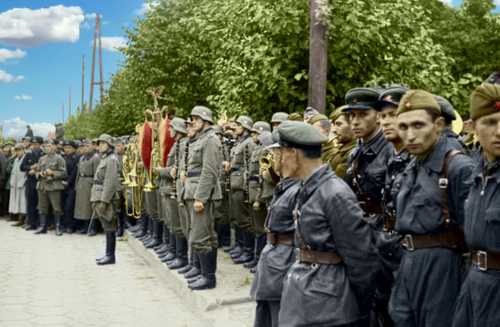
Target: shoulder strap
x,y
443,183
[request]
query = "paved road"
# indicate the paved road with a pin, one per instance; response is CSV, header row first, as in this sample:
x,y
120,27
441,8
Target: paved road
x,y
53,281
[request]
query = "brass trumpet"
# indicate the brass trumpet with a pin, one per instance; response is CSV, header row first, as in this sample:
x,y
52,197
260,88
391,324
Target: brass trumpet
x,y
266,162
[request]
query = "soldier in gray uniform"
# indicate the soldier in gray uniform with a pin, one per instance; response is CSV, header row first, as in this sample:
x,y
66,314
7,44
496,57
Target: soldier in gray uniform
x,y
87,166
168,189
278,118
430,216
202,190
104,196
258,206
331,282
479,298
51,174
240,207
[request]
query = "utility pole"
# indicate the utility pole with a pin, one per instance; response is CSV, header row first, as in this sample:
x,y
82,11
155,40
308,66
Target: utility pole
x,y
318,55
97,43
82,108
62,111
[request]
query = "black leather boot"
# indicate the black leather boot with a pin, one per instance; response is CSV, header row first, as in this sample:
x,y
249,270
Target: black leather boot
x,y
143,228
181,254
208,261
248,250
223,235
260,243
57,220
42,229
163,248
195,267
157,235
170,255
92,229
190,264
109,258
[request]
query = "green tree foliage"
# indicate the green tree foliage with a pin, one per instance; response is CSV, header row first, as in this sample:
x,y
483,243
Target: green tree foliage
x,y
251,56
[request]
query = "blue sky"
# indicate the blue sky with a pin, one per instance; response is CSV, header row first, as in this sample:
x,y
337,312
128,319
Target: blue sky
x,y
37,71
41,47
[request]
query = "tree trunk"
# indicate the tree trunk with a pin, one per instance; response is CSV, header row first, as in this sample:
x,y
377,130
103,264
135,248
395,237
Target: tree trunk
x,y
318,59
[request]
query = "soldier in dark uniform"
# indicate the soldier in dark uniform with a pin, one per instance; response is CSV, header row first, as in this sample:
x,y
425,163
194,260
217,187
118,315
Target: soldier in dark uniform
x,y
240,160
68,195
368,162
479,298
104,194
202,190
29,165
331,282
449,114
51,173
279,252
430,216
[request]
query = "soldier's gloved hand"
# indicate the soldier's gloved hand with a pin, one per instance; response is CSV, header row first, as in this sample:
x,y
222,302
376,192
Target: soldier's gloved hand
x,y
198,206
256,205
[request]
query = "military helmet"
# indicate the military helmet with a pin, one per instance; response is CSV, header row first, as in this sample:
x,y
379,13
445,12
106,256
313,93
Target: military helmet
x,y
105,138
203,112
279,117
178,125
245,121
261,126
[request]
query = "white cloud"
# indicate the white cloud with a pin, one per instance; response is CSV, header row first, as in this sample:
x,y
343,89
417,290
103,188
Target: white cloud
x,y
8,78
497,2
113,43
6,54
27,27
17,128
147,6
23,97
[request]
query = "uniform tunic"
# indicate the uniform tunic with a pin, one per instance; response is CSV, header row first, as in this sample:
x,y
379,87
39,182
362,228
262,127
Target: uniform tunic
x,y
429,279
50,187
339,157
329,220
202,184
104,191
87,166
479,300
240,162
30,158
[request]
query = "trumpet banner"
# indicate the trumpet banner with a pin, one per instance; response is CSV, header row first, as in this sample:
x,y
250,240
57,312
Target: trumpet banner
x,y
166,140
146,142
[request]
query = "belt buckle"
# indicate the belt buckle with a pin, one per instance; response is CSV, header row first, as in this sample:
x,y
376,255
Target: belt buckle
x,y
443,183
408,242
482,260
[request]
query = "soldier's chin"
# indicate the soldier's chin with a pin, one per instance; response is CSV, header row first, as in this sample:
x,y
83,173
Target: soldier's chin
x,y
414,149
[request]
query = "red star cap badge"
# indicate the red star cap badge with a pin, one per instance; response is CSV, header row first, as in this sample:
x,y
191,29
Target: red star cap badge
x,y
497,105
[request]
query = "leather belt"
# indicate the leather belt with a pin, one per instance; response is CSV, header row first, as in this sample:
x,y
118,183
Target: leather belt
x,y
451,239
317,257
254,178
193,173
276,238
485,260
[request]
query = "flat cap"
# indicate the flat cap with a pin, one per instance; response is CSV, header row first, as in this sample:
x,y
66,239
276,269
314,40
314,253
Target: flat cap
x,y
316,118
447,110
485,100
391,97
362,98
279,117
418,100
37,140
295,134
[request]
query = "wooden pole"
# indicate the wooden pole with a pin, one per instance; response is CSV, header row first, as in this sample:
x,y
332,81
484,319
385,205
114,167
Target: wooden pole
x,y
69,103
101,75
318,58
92,74
62,111
82,108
